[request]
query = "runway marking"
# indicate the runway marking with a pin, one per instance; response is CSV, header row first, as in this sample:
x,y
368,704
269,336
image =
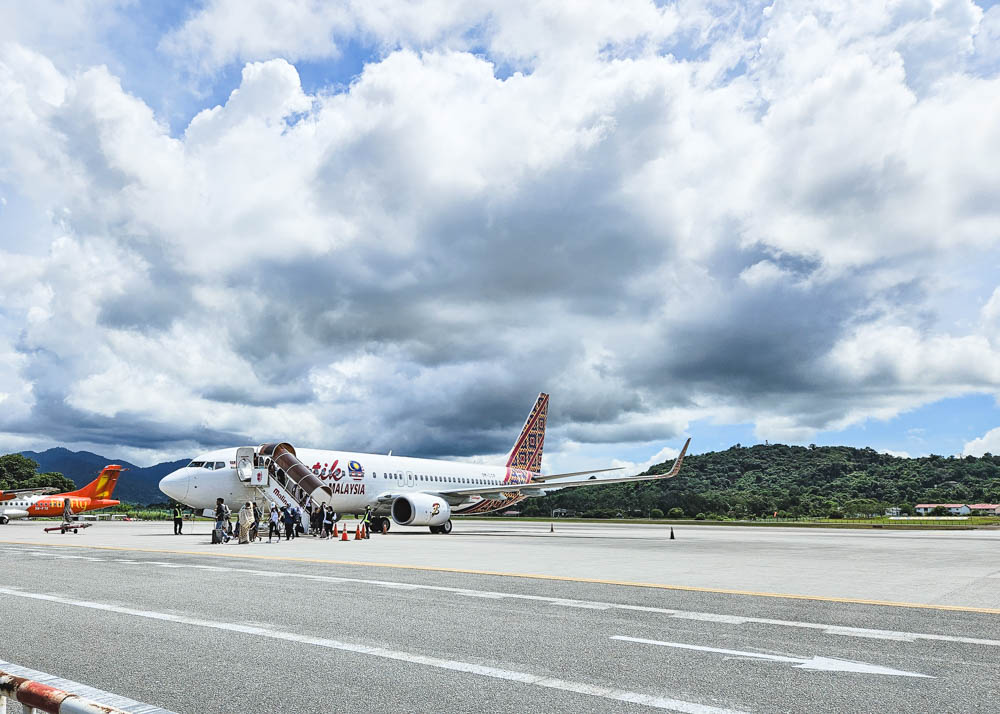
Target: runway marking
x,y
827,629
531,576
823,664
537,680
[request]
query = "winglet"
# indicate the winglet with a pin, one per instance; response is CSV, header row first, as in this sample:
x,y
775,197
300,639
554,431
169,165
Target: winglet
x,y
677,462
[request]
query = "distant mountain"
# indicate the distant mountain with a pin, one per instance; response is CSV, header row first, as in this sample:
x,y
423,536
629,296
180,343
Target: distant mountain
x,y
137,485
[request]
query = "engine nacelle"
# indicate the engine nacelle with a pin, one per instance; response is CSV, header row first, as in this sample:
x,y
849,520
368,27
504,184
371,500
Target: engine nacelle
x,y
420,509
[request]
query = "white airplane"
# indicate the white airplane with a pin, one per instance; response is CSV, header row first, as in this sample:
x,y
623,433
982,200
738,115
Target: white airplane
x,y
411,492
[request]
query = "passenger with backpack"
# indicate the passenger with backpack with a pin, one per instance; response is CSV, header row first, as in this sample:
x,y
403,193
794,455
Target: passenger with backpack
x,y
221,521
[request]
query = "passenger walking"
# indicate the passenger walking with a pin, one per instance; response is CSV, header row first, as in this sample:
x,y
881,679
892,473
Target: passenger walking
x,y
316,522
178,519
222,519
255,528
326,517
272,524
245,522
288,521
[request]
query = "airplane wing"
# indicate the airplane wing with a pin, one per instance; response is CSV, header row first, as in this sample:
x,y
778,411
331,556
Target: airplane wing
x,y
540,488
542,478
19,492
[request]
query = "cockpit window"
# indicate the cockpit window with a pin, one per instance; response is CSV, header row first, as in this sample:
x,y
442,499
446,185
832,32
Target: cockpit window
x,y
220,465
196,464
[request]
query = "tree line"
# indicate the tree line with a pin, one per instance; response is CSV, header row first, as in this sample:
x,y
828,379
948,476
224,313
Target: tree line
x,y
794,481
17,471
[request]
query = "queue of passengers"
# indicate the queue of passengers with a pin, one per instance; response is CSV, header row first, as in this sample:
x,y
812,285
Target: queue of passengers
x,y
317,521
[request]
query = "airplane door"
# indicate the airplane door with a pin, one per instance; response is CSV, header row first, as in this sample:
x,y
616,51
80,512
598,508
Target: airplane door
x,y
409,479
244,463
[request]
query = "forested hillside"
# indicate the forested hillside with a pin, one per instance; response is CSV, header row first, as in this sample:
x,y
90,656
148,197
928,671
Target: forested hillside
x,y
793,480
137,485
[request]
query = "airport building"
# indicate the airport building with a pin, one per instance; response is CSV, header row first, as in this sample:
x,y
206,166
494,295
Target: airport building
x,y
960,509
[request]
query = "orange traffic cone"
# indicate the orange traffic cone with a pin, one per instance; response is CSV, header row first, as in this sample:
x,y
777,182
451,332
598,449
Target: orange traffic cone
x,y
343,534
357,532
335,533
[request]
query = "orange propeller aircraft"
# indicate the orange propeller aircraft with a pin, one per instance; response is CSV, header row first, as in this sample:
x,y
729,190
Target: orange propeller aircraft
x,y
31,502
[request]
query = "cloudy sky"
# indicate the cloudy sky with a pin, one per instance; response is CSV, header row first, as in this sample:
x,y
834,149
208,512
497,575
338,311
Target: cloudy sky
x,y
388,224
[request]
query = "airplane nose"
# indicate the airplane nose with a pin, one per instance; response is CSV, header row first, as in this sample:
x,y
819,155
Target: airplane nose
x,y
176,484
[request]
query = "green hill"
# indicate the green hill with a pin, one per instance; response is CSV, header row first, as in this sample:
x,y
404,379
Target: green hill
x,y
793,480
137,485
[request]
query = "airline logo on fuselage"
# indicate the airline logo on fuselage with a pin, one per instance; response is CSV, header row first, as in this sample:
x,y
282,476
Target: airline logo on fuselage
x,y
348,489
333,472
328,472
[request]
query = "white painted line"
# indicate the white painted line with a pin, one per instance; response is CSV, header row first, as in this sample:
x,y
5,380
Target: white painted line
x,y
827,629
537,680
824,664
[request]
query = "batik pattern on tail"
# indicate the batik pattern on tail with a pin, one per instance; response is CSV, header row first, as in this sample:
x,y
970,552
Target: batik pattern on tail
x,y
527,451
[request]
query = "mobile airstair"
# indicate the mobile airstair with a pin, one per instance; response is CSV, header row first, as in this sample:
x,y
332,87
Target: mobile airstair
x,y
277,476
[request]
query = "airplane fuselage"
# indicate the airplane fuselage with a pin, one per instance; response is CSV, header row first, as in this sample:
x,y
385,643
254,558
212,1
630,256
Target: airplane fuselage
x,y
356,480
42,506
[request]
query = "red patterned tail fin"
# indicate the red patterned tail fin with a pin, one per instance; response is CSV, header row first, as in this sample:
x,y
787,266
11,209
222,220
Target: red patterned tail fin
x,y
527,451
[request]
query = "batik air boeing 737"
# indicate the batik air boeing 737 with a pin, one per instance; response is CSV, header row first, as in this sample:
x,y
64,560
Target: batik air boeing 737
x,y
408,491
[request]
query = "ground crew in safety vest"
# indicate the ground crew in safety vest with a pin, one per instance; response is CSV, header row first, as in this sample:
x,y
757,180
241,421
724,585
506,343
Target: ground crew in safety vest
x,y
178,519
367,522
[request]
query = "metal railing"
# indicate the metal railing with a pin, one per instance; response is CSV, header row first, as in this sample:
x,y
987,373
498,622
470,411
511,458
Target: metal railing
x,y
36,697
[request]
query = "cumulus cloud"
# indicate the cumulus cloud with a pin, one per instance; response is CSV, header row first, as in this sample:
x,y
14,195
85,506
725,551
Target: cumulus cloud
x,y
631,468
658,214
987,443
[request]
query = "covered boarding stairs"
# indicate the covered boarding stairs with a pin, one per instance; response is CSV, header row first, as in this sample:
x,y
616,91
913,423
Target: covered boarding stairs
x,y
278,476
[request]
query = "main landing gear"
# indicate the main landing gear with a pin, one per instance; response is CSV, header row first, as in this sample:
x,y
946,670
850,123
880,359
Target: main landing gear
x,y
381,525
444,528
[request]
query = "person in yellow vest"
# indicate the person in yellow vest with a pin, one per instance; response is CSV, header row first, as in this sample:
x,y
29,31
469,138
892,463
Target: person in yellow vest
x,y
178,519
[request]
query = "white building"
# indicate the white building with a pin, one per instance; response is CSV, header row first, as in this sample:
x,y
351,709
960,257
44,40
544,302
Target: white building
x,y
954,509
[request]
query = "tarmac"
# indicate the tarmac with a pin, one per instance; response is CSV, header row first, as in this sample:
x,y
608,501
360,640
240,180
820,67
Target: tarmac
x,y
502,616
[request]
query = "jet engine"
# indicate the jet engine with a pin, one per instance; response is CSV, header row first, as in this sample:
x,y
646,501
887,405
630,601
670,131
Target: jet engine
x,y
420,509
12,513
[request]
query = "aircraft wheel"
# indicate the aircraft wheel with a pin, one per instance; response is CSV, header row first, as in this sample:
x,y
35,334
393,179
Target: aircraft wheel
x,y
4,520
383,525
445,527
75,530
435,529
